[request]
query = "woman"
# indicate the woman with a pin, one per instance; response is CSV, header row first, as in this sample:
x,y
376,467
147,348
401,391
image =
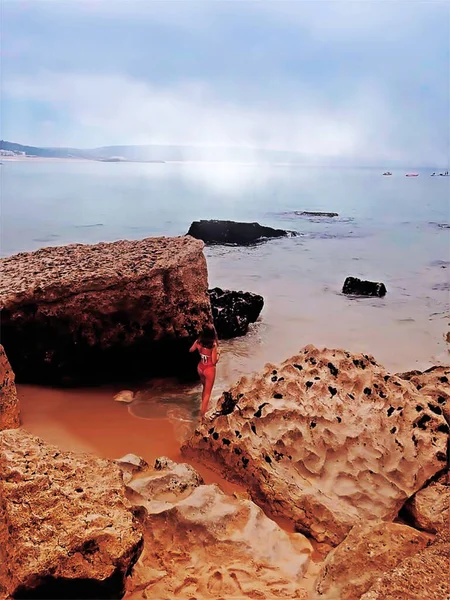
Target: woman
x,y
207,347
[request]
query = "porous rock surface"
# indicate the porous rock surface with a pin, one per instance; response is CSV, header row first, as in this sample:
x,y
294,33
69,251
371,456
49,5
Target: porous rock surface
x,y
201,543
9,402
369,550
327,439
423,576
233,232
76,313
64,521
167,482
429,508
234,311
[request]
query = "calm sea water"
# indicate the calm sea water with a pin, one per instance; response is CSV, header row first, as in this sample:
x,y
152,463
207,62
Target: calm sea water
x,y
387,230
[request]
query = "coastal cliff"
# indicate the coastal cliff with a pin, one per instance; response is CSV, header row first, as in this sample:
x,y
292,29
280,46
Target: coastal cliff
x,y
91,313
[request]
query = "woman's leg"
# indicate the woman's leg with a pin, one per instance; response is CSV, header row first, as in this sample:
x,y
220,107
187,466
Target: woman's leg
x,y
209,377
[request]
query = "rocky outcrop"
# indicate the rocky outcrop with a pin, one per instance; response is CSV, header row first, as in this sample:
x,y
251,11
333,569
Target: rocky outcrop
x,y
421,576
201,543
429,508
167,483
234,311
130,464
65,524
327,440
232,232
9,402
367,552
76,314
358,287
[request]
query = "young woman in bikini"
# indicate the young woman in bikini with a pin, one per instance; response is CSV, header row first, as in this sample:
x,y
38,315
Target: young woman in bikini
x,y
207,347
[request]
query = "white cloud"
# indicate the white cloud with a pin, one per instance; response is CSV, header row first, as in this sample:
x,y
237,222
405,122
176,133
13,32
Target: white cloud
x,y
106,110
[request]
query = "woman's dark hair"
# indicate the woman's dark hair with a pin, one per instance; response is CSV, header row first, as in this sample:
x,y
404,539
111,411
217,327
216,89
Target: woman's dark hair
x,y
208,337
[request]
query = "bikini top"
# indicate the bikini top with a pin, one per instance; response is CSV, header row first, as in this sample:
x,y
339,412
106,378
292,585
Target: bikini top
x,y
205,358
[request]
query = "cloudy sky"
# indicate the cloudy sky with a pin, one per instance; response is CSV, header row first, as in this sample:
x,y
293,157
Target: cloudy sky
x,y
368,80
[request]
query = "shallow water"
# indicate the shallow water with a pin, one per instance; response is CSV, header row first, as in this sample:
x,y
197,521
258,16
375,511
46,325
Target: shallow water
x,y
390,229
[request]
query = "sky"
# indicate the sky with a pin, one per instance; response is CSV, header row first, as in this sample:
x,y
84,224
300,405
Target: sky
x,y
363,80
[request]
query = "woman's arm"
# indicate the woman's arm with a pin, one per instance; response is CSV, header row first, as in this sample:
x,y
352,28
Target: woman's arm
x,y
194,346
215,355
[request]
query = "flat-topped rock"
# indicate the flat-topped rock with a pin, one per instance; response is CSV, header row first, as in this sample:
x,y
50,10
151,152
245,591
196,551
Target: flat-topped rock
x,y
327,439
9,402
315,213
65,524
77,313
232,232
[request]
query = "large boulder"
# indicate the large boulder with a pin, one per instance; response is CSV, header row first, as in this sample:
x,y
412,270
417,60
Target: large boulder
x,y
359,287
234,311
326,440
429,508
9,402
65,524
201,543
423,576
76,314
232,232
367,552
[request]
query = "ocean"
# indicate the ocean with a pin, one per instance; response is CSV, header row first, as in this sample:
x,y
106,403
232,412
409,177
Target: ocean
x,y
391,229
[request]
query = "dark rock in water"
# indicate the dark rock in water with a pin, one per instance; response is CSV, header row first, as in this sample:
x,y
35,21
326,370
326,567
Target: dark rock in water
x,y
80,314
232,232
234,311
313,213
358,287
440,225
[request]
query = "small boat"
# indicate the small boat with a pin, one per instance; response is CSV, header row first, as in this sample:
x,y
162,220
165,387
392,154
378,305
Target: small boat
x,y
387,173
412,174
433,175
444,174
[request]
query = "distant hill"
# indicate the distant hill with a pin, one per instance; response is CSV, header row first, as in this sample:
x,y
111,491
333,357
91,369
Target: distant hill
x,y
160,153
157,153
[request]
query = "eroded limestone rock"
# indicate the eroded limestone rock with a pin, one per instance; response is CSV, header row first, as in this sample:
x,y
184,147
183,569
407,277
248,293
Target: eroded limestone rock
x,y
9,402
65,523
80,313
429,508
367,552
130,464
424,575
327,439
201,543
167,482
210,545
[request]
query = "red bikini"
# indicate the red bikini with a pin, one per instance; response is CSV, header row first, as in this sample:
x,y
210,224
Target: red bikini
x,y
205,360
